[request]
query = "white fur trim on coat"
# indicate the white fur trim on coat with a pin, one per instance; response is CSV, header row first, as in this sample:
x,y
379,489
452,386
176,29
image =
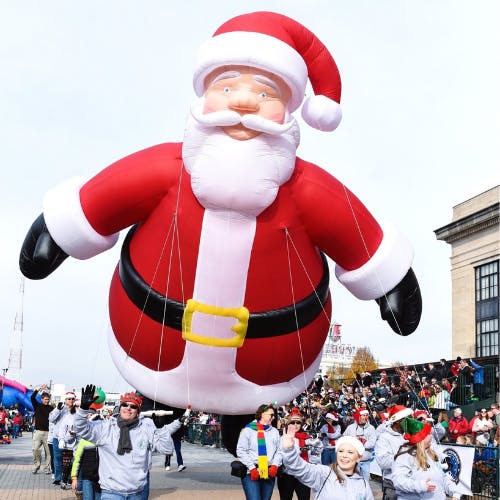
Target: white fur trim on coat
x,y
68,225
385,269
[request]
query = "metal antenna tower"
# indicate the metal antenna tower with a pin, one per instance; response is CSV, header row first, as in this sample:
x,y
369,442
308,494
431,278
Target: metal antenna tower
x,y
16,340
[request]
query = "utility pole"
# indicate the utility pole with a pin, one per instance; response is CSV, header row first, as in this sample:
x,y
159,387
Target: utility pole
x,y
16,340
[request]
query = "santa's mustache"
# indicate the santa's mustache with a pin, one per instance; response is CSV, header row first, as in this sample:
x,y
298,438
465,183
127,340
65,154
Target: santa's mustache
x,y
228,118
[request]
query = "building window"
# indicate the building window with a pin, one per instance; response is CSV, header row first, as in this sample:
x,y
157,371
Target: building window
x,y
487,309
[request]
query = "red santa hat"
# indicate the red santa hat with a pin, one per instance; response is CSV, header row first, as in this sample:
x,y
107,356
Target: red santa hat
x,y
333,416
70,395
359,412
398,412
422,415
282,46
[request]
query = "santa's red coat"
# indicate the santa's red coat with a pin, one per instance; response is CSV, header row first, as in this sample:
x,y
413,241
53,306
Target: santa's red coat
x,y
313,210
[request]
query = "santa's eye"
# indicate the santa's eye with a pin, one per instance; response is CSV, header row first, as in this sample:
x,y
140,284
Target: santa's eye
x,y
226,90
262,95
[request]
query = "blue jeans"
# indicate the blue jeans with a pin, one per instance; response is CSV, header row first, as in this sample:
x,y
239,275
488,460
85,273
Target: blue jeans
x,y
57,460
51,449
114,495
88,492
364,469
258,490
145,491
328,456
178,454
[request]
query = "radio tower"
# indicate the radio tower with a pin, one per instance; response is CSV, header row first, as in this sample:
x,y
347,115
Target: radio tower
x,y
16,340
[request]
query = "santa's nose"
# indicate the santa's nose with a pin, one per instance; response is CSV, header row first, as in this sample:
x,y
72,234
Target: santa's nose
x,y
243,102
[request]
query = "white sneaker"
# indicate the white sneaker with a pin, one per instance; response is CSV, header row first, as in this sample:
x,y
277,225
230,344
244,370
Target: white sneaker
x,y
181,467
167,467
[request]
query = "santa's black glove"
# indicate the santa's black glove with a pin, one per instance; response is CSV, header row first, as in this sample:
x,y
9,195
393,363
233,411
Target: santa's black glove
x,y
402,306
40,254
88,397
60,405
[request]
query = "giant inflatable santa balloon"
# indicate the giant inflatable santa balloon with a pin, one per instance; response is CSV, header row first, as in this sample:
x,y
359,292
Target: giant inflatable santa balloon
x,y
221,296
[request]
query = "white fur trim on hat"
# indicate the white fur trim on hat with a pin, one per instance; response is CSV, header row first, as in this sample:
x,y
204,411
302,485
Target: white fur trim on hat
x,y
256,50
407,412
68,225
385,269
355,442
321,113
331,416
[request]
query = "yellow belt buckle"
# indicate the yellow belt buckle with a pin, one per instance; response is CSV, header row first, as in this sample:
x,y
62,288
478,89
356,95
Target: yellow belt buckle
x,y
240,313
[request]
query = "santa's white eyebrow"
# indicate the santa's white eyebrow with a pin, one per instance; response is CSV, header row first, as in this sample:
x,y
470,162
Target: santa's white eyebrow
x,y
267,81
225,75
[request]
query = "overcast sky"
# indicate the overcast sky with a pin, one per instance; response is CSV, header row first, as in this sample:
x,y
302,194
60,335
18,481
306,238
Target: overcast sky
x,y
85,83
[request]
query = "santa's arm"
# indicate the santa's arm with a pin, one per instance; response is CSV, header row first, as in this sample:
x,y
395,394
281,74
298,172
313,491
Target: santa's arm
x,y
373,261
82,219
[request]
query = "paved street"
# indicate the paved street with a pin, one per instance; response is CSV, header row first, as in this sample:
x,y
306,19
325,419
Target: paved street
x,y
206,476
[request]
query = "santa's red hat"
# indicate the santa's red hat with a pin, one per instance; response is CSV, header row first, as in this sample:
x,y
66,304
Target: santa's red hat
x,y
280,45
398,412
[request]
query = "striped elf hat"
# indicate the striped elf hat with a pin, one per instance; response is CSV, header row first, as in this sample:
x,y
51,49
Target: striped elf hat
x,y
415,430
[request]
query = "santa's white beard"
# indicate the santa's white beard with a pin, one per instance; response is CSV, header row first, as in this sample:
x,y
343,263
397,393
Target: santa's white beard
x,y
241,176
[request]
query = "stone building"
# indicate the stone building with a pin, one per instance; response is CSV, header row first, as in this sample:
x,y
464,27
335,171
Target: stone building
x,y
474,237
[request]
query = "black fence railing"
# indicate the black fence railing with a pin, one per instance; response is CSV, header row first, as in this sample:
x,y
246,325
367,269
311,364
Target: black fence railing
x,y
484,476
204,434
467,392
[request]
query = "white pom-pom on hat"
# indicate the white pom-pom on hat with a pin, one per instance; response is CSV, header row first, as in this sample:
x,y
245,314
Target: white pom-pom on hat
x,y
321,113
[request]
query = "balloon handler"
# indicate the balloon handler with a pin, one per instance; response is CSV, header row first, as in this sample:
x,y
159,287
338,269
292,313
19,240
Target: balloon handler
x,y
225,259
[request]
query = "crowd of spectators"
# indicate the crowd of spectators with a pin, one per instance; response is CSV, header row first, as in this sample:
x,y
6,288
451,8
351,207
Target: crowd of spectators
x,y
13,424
330,409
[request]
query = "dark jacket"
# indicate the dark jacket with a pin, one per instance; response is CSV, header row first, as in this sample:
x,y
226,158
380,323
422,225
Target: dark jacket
x,y
41,413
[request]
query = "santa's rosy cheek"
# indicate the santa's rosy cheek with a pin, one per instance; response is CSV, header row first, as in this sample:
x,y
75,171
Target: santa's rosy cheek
x,y
209,108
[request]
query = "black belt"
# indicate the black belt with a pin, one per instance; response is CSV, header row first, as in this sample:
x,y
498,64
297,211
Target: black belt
x,y
260,324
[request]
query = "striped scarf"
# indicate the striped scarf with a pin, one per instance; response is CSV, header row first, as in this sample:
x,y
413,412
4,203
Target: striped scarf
x,y
262,462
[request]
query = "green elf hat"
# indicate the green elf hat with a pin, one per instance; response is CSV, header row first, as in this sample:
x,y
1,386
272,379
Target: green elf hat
x,y
415,430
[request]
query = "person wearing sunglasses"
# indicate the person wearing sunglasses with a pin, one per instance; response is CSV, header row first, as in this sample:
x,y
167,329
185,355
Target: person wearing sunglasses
x,y
126,442
308,448
57,417
258,449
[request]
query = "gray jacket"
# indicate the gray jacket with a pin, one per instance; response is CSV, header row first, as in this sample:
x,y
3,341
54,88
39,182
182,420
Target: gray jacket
x,y
410,482
368,433
125,473
55,418
323,481
388,443
337,432
247,452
